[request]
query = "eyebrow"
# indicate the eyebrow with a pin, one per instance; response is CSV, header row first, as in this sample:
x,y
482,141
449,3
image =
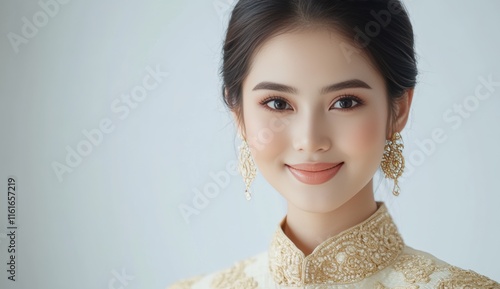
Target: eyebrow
x,y
352,83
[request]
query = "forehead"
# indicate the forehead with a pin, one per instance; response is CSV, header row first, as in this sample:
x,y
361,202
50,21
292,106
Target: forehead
x,y
311,57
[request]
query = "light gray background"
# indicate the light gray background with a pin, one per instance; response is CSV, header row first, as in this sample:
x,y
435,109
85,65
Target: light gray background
x,y
118,210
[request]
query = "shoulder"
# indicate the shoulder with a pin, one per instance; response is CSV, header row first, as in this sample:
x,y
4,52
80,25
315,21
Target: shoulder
x,y
422,270
242,274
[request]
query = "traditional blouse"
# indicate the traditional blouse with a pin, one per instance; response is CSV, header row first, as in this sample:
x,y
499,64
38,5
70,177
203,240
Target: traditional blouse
x,y
371,254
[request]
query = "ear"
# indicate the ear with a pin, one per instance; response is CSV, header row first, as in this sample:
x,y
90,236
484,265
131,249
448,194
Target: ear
x,y
403,106
237,123
236,119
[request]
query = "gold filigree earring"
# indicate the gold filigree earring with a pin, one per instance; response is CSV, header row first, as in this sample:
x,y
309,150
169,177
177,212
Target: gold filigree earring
x,y
393,162
246,167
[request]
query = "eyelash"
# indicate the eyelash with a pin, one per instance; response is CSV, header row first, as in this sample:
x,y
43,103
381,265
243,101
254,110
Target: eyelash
x,y
265,101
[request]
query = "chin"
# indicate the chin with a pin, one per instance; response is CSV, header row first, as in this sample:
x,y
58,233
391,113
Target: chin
x,y
317,202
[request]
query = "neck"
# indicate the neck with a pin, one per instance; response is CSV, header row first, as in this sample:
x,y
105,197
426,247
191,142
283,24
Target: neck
x,y
307,230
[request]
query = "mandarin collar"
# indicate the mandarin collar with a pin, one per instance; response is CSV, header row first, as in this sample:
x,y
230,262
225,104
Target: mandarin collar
x,y
348,257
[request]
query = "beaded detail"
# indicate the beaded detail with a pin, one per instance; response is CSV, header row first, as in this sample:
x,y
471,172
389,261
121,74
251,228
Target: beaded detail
x,y
235,277
461,278
415,268
351,256
381,286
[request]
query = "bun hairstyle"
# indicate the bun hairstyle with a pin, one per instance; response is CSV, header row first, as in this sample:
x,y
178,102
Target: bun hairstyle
x,y
379,28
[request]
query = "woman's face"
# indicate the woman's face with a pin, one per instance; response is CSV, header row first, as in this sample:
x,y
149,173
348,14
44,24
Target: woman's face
x,y
308,123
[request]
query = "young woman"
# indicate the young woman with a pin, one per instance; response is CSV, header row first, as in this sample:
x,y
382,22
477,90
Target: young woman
x,y
320,91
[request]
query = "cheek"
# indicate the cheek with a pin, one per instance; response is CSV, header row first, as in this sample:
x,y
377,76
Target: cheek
x,y
364,136
266,138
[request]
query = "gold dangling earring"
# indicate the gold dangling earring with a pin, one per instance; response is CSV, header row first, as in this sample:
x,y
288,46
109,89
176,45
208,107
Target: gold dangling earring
x,y
246,167
393,162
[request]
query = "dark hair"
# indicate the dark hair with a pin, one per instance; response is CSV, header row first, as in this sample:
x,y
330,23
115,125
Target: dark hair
x,y
380,28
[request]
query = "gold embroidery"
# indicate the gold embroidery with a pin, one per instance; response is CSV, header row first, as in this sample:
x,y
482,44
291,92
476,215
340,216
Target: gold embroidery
x,y
460,278
235,277
186,283
381,286
415,268
349,257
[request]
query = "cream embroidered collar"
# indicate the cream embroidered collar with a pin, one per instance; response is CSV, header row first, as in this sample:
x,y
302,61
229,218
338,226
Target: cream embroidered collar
x,y
348,257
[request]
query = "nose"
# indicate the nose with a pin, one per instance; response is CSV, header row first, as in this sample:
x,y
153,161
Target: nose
x,y
312,133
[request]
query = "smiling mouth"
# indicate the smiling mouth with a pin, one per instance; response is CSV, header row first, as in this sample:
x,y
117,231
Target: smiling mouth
x,y
314,167
316,173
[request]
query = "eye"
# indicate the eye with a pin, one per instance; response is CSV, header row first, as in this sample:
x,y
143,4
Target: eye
x,y
275,103
279,104
347,102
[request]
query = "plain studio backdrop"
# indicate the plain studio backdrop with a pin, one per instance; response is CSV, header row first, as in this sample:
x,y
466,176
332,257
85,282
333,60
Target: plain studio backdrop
x,y
112,123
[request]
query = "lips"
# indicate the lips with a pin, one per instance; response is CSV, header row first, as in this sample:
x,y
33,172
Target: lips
x,y
314,173
314,167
